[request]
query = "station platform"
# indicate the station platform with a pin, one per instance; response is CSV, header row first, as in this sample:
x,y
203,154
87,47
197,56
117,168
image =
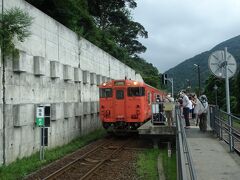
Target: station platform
x,y
211,157
156,130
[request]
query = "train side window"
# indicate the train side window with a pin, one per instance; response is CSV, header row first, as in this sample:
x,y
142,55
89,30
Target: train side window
x,y
149,98
155,96
136,91
105,92
119,94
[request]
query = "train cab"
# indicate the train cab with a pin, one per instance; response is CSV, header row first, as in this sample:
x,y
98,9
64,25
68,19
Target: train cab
x,y
125,104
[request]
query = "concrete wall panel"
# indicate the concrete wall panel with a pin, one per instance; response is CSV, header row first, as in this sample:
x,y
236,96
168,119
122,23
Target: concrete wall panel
x,y
78,108
56,111
19,62
67,72
86,108
69,110
93,79
23,114
99,79
77,75
54,69
39,65
93,107
86,77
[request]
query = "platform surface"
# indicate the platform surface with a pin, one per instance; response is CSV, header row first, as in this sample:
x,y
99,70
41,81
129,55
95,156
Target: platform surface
x,y
211,157
149,129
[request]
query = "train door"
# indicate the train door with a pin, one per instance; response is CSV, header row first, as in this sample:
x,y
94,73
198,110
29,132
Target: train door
x,y
119,104
106,104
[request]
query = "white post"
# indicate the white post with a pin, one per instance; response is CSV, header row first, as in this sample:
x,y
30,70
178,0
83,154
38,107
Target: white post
x,y
228,100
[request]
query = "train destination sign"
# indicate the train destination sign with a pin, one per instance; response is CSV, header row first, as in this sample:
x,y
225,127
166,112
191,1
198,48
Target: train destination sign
x,y
119,83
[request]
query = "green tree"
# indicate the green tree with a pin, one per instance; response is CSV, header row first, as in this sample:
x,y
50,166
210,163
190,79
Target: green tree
x,y
15,24
107,24
114,17
234,87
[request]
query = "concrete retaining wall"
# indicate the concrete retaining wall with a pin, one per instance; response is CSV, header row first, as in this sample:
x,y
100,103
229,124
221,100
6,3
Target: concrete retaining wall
x,y
54,68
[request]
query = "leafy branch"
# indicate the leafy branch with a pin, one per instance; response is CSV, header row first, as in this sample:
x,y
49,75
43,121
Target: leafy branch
x,y
14,24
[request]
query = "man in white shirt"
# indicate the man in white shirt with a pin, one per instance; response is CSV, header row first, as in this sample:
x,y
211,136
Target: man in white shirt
x,y
186,108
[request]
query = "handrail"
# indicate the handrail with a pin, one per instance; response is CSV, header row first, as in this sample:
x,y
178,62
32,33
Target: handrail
x,y
230,114
184,158
225,124
181,165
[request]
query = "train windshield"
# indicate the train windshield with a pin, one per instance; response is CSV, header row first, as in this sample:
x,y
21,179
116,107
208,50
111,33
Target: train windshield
x,y
119,94
136,91
105,92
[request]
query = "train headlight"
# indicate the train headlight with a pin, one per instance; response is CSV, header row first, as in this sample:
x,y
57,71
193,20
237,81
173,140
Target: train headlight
x,y
104,84
135,83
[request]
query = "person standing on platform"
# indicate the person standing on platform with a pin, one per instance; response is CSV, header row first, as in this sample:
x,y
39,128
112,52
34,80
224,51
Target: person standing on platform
x,y
186,108
190,107
203,113
193,104
168,108
197,105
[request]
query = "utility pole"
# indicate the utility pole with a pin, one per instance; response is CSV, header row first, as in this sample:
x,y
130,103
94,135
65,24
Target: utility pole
x,y
215,89
165,79
223,65
228,100
199,80
3,87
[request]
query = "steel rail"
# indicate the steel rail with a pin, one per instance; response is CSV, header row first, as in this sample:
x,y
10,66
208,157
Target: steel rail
x,y
66,167
136,149
120,148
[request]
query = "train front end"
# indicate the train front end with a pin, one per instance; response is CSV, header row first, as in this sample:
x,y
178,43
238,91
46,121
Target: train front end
x,y
122,104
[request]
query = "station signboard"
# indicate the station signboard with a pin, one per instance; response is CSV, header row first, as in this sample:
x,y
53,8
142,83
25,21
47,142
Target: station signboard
x,y
40,116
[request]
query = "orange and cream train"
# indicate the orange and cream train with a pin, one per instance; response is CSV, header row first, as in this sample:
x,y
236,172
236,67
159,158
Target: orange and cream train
x,y
126,104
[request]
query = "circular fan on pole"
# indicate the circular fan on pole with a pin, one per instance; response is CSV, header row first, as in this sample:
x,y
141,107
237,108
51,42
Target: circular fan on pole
x,y
217,64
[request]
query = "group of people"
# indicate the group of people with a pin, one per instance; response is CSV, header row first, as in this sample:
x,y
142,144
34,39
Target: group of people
x,y
198,107
191,105
166,105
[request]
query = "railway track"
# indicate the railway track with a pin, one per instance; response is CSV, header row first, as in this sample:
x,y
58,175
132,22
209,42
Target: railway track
x,y
95,160
108,158
82,167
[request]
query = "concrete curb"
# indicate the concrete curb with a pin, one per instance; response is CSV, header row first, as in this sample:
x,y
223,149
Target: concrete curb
x,y
160,168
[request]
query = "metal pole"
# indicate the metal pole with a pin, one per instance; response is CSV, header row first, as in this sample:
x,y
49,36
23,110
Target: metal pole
x,y
40,143
3,89
43,142
171,81
199,82
216,97
228,100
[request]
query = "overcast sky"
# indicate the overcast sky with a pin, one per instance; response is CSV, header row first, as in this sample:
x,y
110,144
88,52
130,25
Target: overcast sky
x,y
181,29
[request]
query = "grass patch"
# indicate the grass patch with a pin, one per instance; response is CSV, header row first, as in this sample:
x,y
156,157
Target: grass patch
x,y
147,164
22,167
169,164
